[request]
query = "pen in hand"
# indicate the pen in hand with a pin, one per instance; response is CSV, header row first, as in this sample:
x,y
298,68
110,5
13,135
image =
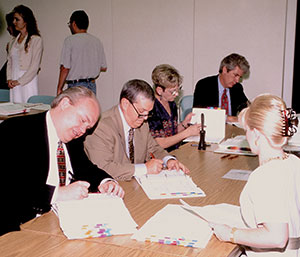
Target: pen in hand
x,y
153,157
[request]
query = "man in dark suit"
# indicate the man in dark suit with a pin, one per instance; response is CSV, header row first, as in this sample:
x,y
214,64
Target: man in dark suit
x,y
209,91
29,173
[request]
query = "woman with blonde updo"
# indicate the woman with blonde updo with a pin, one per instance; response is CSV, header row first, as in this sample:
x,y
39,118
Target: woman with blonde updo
x,y
270,201
163,122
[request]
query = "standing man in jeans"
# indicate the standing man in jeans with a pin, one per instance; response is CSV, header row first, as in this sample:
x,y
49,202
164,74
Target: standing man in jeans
x,y
82,56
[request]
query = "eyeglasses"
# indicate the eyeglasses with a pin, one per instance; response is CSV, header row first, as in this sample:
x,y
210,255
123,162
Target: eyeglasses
x,y
176,91
172,92
69,23
137,112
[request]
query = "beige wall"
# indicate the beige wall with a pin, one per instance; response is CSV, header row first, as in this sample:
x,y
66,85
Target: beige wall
x,y
192,35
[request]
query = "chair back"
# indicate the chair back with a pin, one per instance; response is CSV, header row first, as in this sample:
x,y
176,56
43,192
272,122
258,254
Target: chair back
x,y
4,95
186,106
45,99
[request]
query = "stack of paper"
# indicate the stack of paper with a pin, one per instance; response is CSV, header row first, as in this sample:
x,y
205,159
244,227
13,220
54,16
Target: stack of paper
x,y
169,184
222,214
99,215
236,145
37,106
174,226
11,109
17,108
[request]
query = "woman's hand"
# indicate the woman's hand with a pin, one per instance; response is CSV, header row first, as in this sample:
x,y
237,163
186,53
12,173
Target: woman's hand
x,y
13,83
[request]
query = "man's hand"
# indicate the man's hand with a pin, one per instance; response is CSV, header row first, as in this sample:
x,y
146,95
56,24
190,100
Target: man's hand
x,y
154,166
232,119
75,191
111,187
176,165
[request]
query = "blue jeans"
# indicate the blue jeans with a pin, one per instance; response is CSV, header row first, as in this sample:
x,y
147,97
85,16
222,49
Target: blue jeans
x,y
89,85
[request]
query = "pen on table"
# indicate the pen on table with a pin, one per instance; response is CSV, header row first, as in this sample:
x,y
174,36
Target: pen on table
x,y
233,157
225,156
196,145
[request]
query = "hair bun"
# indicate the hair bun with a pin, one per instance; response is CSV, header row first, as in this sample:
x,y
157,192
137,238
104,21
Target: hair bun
x,y
290,122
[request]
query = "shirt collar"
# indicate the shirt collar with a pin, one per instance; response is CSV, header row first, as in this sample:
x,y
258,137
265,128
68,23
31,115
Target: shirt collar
x,y
51,129
220,86
124,122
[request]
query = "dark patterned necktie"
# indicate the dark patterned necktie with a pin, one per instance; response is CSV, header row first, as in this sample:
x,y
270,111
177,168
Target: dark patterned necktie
x,y
224,101
61,163
130,145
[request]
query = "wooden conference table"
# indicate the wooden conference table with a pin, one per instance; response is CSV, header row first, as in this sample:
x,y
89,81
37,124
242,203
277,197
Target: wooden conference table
x,y
42,236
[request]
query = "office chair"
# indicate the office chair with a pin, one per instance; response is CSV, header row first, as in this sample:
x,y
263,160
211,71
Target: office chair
x,y
45,99
4,95
186,106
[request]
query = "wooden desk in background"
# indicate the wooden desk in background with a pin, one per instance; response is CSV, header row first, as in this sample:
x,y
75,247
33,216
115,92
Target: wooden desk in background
x,y
43,237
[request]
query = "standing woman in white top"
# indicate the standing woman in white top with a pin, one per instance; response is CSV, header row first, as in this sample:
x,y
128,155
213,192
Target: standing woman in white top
x,y
24,56
270,201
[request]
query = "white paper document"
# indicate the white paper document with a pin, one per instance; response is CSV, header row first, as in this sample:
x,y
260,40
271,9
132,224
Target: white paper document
x,y
11,109
174,226
214,121
236,145
18,108
99,215
238,174
223,214
169,184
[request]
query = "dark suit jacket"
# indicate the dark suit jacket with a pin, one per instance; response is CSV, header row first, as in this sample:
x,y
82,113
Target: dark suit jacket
x,y
207,95
24,157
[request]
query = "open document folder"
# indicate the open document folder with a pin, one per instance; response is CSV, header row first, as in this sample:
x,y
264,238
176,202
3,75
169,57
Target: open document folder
x,y
99,215
174,226
236,145
17,108
169,184
12,108
187,225
214,121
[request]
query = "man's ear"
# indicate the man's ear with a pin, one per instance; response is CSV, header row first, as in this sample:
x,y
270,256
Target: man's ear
x,y
224,69
64,103
124,103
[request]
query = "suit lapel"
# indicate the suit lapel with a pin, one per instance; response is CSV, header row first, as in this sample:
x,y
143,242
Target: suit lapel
x,y
117,119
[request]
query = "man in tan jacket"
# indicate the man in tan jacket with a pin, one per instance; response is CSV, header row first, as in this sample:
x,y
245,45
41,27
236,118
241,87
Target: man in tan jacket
x,y
109,146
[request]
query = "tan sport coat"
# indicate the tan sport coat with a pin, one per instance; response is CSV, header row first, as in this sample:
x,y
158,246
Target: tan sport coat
x,y
107,149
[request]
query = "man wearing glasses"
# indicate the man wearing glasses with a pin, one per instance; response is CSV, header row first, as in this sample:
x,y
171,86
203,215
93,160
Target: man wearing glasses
x,y
122,143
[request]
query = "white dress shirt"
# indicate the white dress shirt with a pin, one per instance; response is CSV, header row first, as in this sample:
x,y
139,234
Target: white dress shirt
x,y
140,168
53,177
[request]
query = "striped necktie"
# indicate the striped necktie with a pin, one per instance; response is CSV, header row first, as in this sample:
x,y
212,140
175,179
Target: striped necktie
x,y
61,164
224,101
130,145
